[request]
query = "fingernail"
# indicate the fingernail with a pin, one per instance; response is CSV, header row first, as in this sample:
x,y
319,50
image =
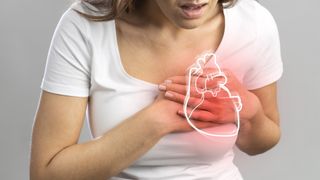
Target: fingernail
x,y
168,94
162,87
168,81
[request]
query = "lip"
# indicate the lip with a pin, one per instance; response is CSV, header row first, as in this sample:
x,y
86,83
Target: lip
x,y
192,10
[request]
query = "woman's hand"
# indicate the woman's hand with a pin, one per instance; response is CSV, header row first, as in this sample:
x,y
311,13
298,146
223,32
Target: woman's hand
x,y
165,113
217,108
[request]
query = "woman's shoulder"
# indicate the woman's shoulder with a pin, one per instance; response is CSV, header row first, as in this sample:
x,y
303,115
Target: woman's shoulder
x,y
86,8
251,22
77,11
252,6
256,13
73,18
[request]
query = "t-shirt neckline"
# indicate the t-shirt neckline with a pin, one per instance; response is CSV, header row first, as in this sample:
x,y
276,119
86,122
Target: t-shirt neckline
x,y
150,84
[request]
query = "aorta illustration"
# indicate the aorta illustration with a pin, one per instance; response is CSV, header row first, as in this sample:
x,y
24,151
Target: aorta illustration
x,y
220,90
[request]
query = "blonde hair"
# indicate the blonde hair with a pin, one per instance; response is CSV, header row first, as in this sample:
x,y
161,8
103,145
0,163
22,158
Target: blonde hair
x,y
110,9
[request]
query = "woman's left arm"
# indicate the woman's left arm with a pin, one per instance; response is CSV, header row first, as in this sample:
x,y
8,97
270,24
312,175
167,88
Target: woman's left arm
x,y
259,125
262,131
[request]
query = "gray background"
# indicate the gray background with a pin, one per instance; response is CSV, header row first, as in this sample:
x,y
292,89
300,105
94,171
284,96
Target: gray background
x,y
26,31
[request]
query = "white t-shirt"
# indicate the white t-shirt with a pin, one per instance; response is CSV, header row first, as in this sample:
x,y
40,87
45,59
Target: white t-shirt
x,y
83,60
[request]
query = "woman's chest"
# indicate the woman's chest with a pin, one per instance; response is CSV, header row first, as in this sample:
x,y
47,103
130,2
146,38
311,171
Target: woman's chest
x,y
154,59
154,67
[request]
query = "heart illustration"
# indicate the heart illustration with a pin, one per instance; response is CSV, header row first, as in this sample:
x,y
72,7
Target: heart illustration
x,y
208,60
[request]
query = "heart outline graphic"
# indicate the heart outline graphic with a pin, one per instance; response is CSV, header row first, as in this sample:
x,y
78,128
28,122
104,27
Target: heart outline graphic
x,y
197,69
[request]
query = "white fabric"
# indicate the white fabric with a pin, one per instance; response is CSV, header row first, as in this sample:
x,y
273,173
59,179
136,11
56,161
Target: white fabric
x,y
84,60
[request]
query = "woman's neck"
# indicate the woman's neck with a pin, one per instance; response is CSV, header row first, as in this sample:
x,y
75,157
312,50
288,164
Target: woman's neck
x,y
151,16
149,24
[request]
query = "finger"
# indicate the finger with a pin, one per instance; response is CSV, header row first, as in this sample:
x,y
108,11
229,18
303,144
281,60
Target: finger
x,y
217,117
199,124
181,89
204,124
177,80
208,93
200,115
192,101
184,80
208,103
173,96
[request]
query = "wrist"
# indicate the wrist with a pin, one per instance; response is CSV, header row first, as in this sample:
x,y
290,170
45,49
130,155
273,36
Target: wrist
x,y
154,120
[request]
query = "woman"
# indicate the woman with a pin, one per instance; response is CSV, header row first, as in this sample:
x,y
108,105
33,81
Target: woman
x,y
127,61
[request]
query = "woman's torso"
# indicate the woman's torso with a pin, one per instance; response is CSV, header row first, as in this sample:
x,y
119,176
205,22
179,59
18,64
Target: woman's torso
x,y
124,83
124,71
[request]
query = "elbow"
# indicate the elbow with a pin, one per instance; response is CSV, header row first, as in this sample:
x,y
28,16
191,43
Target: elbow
x,y
43,173
53,172
254,152
34,170
37,174
256,148
39,171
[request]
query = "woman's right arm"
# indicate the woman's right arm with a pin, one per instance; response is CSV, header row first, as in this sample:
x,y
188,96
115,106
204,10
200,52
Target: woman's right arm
x,y
55,153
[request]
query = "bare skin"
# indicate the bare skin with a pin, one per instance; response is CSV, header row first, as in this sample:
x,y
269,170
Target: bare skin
x,y
147,45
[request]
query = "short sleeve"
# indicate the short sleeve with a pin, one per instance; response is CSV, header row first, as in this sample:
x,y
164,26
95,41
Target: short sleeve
x,y
267,67
67,70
